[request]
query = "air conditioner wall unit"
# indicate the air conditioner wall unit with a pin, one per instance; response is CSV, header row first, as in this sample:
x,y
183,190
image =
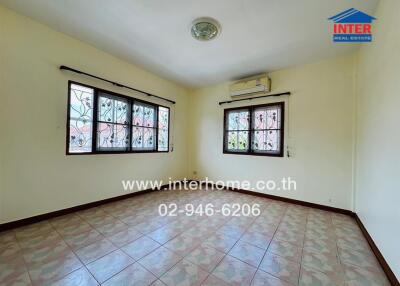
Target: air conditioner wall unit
x,y
251,85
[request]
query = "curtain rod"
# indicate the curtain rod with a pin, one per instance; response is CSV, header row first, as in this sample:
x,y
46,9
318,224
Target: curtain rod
x,y
115,83
255,97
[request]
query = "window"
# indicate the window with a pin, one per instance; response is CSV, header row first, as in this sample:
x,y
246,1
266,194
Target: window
x,y
100,121
254,130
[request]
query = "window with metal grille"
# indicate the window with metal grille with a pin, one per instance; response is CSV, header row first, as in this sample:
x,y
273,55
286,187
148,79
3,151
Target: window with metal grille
x,y
254,130
101,121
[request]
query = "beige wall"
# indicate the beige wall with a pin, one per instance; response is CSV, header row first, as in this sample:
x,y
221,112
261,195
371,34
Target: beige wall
x,y
319,131
378,133
38,177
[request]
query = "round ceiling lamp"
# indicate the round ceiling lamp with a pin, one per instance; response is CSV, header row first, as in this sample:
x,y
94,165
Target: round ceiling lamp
x,y
205,29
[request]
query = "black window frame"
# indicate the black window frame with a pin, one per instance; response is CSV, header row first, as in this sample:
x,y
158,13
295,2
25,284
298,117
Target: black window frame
x,y
250,151
131,100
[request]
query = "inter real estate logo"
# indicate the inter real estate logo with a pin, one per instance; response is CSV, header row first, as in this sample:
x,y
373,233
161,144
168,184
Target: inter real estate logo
x,y
352,26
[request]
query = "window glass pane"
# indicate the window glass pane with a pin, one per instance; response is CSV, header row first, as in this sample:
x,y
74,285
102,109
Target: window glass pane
x,y
273,139
137,137
233,121
149,116
232,138
121,111
112,109
273,118
138,114
163,117
267,125
143,138
163,128
81,102
243,121
238,141
143,115
162,140
259,140
238,120
81,119
243,140
148,138
112,136
260,121
80,136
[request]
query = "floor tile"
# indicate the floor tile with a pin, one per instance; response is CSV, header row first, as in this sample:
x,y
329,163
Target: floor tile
x,y
358,258
140,247
33,229
133,275
20,279
290,236
356,276
7,236
232,231
320,261
39,241
158,283
257,239
112,227
80,277
159,261
109,265
330,247
74,229
264,279
100,220
183,244
206,257
83,239
234,271
184,274
281,268
124,237
214,281
285,249
321,245
220,242
95,250
13,271
310,277
67,220
9,249
165,233
46,252
266,229
55,269
354,244
247,253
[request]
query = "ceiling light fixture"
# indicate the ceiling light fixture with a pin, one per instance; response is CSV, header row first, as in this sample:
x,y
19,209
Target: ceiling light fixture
x,y
205,29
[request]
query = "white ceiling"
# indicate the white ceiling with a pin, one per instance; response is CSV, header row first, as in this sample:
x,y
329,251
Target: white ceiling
x,y
257,35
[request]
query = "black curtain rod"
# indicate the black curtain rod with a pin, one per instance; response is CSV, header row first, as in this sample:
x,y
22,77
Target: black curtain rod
x,y
115,83
255,97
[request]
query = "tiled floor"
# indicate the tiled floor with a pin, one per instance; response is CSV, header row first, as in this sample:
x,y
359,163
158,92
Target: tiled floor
x,y
128,243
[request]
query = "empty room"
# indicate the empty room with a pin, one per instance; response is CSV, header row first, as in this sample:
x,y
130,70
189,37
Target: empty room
x,y
188,143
